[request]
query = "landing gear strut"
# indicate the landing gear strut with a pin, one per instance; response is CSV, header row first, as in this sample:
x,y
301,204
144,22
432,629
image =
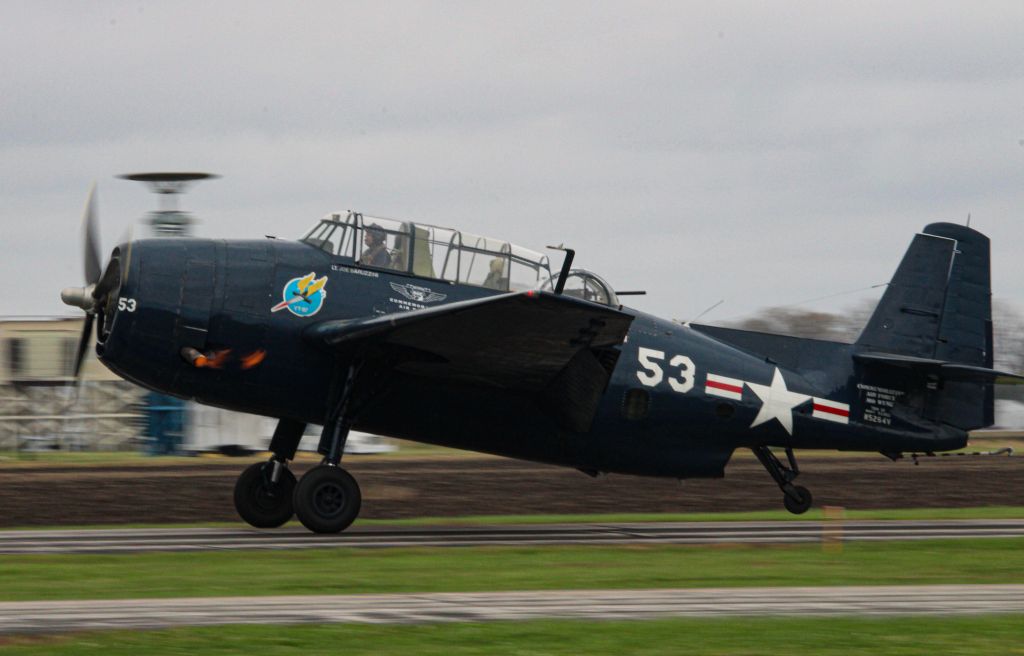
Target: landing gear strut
x,y
796,498
263,492
327,499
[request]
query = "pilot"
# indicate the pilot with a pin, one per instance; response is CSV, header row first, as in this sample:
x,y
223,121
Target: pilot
x,y
399,255
494,279
376,253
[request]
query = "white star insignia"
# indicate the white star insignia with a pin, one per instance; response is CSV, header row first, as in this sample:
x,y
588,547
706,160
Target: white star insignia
x,y
777,402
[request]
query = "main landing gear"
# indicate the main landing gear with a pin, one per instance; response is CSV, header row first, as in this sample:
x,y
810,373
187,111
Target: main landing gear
x,y
796,498
326,499
263,500
263,493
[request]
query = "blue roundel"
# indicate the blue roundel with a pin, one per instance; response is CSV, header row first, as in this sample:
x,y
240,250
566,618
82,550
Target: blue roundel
x,y
299,304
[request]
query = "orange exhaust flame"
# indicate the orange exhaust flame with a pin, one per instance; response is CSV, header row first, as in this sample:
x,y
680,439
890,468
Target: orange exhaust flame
x,y
253,359
216,359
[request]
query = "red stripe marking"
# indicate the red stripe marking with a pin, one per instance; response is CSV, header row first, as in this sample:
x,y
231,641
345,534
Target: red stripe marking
x,y
832,411
724,386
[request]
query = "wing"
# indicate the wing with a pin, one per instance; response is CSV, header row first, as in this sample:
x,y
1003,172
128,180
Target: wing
x,y
533,342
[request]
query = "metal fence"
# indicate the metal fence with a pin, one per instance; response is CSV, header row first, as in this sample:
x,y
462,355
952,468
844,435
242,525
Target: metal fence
x,y
99,416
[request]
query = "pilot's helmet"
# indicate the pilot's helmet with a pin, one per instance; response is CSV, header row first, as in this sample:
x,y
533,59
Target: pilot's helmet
x,y
376,233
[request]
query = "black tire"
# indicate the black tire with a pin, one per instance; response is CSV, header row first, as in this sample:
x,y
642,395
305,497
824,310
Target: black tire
x,y
327,499
800,505
261,503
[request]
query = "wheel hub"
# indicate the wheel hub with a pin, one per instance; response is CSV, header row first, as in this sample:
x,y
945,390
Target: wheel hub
x,y
329,499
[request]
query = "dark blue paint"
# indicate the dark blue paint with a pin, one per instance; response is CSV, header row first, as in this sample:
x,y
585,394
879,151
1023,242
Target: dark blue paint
x,y
214,295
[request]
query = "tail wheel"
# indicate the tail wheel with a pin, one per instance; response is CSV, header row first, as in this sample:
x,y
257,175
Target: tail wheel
x,y
260,502
799,501
327,499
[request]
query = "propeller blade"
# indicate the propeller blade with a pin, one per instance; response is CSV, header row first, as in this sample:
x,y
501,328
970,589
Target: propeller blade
x,y
83,343
90,239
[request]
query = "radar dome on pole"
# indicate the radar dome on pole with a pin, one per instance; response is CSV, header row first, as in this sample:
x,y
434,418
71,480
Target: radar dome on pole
x,y
168,220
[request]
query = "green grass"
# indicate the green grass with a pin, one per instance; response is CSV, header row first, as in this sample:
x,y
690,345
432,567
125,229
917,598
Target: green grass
x,y
73,459
924,636
14,459
348,571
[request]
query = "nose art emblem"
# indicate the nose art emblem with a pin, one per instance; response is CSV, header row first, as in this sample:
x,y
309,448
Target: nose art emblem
x,y
303,296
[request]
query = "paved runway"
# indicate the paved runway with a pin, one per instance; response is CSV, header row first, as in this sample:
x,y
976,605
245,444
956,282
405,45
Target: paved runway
x,y
48,617
215,539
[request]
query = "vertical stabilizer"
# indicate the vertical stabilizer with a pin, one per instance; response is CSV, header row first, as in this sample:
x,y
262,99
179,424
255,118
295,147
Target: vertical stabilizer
x,y
939,306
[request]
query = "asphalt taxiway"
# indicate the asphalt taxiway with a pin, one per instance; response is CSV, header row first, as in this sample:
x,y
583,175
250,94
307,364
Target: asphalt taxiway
x,y
132,540
56,616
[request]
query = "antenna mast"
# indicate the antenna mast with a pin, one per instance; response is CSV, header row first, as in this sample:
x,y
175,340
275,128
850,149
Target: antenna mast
x,y
168,220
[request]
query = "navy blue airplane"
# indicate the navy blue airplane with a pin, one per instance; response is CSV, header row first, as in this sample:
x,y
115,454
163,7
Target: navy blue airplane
x,y
439,336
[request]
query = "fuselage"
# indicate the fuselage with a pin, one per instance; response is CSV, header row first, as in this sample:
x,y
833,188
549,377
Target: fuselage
x,y
678,403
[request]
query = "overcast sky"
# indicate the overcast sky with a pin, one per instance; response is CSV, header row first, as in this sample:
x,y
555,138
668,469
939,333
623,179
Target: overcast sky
x,y
763,153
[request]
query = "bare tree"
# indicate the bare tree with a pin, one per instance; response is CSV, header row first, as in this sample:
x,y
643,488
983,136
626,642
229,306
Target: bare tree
x,y
1007,332
844,327
1008,327
1008,335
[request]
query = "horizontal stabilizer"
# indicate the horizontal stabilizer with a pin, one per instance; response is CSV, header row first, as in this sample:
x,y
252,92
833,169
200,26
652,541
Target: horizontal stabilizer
x,y
952,371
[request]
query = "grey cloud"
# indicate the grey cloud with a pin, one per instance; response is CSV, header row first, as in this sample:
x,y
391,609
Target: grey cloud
x,y
765,154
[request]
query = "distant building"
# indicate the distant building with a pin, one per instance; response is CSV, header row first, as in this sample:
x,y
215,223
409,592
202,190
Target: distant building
x,y
42,352
39,407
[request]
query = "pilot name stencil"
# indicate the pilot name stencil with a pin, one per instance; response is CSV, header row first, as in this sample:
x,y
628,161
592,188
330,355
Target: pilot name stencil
x,y
354,271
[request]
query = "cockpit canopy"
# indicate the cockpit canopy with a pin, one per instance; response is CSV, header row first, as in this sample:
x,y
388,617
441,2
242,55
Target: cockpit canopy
x,y
590,287
430,251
